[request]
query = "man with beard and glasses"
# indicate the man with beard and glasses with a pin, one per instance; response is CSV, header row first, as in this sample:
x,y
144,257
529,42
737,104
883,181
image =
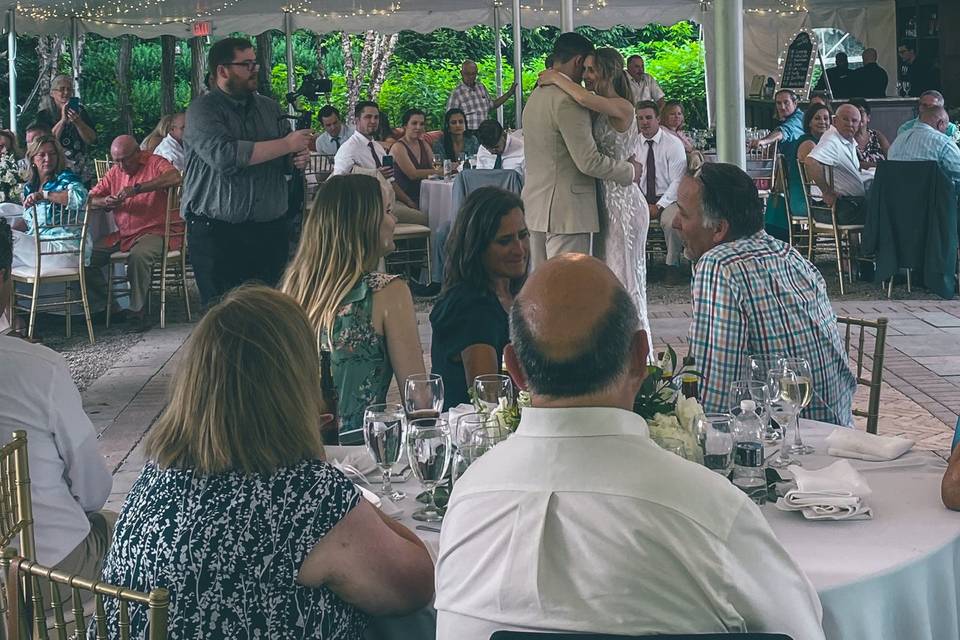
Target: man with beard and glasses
x,y
239,150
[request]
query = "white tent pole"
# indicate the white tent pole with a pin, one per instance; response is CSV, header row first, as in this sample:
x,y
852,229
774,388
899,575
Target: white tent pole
x,y
288,34
75,54
498,54
518,64
566,16
12,66
728,27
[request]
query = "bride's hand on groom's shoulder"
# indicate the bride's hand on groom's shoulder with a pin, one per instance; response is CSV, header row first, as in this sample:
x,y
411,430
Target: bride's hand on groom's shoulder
x,y
547,77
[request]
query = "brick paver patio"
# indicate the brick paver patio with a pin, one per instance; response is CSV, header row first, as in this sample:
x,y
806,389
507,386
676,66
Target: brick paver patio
x,y
920,397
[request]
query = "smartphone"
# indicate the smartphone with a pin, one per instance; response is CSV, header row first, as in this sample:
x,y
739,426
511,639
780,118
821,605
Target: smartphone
x,y
956,436
387,160
74,104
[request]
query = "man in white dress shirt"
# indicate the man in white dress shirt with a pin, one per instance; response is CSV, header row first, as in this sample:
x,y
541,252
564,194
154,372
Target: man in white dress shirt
x,y
579,522
499,149
664,165
70,481
838,149
335,131
361,150
171,147
645,86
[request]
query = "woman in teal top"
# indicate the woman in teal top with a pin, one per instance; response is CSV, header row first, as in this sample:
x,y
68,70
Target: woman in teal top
x,y
816,121
363,318
455,143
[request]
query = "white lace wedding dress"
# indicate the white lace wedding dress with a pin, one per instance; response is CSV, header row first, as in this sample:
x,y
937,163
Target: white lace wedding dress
x,y
624,219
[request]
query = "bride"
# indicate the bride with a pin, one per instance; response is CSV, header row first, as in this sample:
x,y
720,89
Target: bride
x,y
623,236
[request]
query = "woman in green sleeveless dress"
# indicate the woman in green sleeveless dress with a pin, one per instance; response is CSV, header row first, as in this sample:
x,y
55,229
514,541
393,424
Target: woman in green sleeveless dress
x,y
365,319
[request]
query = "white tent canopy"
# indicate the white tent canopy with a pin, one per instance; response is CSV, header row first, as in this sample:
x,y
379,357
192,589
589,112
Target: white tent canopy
x,y
768,26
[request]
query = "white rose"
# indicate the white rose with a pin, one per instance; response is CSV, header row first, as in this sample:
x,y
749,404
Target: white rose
x,y
687,411
3,196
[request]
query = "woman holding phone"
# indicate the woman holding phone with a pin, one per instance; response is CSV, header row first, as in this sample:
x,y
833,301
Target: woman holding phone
x,y
71,124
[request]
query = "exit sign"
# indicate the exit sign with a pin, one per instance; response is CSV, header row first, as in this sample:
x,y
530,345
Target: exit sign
x,y
201,29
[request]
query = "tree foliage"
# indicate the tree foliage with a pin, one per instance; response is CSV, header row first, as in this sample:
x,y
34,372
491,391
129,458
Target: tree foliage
x,y
423,71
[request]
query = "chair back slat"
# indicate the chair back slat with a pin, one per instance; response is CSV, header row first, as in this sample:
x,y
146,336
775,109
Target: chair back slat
x,y
16,506
102,166
157,600
39,611
59,622
875,381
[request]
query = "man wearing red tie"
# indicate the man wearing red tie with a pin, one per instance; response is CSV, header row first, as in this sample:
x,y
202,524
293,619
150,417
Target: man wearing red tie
x,y
664,165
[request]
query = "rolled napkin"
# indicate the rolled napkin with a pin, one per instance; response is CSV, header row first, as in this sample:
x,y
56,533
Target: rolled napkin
x,y
850,443
836,492
355,456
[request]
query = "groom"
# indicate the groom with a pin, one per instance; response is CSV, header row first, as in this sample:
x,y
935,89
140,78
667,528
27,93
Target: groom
x,y
560,193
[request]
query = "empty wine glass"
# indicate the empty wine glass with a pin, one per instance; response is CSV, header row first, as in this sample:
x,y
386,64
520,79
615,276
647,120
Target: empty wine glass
x,y
803,381
715,433
384,426
782,409
758,369
462,444
423,396
429,450
756,391
491,391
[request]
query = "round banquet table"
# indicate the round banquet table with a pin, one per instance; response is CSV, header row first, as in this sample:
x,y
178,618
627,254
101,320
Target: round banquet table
x,y
436,200
895,577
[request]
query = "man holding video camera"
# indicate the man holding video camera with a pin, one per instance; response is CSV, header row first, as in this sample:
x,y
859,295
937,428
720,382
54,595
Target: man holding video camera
x,y
239,150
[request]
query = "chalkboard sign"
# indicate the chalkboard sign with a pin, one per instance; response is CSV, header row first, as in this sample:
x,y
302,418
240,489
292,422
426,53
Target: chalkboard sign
x,y
798,63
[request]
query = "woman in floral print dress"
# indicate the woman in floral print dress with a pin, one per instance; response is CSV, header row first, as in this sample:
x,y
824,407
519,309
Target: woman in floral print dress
x,y
364,318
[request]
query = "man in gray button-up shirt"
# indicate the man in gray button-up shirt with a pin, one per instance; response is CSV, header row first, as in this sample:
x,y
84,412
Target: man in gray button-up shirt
x,y
239,150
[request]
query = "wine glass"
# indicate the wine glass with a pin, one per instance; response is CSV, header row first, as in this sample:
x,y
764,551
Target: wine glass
x,y
758,369
428,449
384,426
783,409
715,433
423,396
674,446
803,379
462,446
491,391
757,391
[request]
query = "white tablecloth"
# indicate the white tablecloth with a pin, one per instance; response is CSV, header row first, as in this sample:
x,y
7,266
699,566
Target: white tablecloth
x,y
896,577
436,200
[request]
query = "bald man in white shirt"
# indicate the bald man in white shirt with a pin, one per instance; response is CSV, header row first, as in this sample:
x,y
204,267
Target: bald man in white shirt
x,y
579,522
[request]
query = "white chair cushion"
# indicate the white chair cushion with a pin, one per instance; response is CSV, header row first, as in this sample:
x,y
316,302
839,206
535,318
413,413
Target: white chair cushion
x,y
406,229
30,272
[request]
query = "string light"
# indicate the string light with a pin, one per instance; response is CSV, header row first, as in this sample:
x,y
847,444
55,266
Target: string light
x,y
584,8
113,13
303,7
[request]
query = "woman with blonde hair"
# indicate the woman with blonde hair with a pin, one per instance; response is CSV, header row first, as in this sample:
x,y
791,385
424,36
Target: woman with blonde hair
x,y
364,318
71,124
236,512
623,234
159,132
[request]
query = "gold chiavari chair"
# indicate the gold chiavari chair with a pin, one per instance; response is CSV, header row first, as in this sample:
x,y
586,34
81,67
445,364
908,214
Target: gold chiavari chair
x,y
847,326
798,227
25,601
62,234
16,505
171,269
316,172
762,167
410,253
829,235
102,166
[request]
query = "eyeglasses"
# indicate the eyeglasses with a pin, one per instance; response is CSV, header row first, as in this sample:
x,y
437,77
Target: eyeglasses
x,y
251,65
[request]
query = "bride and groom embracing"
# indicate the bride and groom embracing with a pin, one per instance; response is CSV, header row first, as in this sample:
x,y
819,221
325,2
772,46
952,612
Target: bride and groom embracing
x,y
580,143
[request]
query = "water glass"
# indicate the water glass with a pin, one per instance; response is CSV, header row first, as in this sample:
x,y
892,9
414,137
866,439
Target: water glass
x,y
429,448
423,396
801,380
757,391
715,434
784,410
674,446
384,426
492,390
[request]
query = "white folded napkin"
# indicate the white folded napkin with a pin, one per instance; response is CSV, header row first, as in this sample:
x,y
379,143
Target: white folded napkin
x,y
850,443
836,492
354,456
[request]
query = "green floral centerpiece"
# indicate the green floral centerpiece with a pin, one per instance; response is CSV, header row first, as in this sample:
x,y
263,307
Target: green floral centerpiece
x,y
671,417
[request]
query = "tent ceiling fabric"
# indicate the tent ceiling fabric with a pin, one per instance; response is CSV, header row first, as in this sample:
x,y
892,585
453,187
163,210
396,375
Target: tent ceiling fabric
x,y
151,18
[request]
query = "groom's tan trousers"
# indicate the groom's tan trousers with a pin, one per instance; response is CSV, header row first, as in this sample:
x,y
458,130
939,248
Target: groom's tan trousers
x,y
544,245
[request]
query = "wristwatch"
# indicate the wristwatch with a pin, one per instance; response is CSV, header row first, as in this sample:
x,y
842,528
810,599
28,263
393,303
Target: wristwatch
x,y
43,194
136,188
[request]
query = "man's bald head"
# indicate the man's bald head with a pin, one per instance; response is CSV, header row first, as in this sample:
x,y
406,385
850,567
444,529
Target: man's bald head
x,y
847,121
468,72
936,117
123,146
572,327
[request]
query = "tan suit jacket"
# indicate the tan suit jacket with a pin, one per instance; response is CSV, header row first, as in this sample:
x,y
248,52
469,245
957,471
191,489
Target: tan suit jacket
x,y
560,192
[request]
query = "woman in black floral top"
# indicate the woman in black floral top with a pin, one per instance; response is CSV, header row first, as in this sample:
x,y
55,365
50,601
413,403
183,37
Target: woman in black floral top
x,y
74,130
238,515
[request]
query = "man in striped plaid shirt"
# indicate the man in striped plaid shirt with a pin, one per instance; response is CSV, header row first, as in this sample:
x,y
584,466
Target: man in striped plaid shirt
x,y
753,294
